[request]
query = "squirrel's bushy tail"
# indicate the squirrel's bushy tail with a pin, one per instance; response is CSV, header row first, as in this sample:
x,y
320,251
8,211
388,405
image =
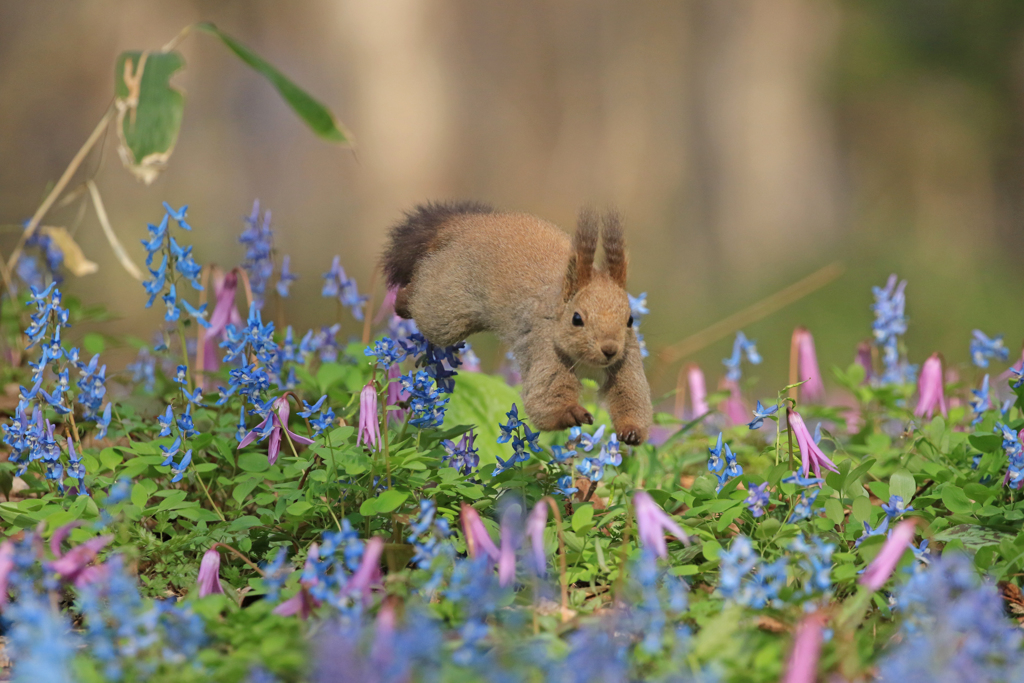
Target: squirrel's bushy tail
x,y
417,235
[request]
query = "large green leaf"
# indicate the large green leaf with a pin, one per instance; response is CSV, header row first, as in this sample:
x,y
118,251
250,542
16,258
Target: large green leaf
x,y
318,117
482,401
149,110
972,536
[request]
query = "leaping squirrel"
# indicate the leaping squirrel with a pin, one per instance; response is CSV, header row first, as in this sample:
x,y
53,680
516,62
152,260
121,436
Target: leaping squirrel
x,y
461,268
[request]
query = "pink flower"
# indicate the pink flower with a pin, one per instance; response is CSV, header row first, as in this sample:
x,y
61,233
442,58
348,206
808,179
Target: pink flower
x,y
71,567
369,426
274,424
303,603
224,313
652,522
734,409
863,358
691,379
805,359
509,543
387,305
803,661
6,565
477,538
810,455
535,525
881,568
930,389
209,574
368,574
396,394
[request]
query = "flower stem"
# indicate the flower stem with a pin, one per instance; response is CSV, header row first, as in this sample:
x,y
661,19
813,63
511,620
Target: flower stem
x,y
199,478
562,572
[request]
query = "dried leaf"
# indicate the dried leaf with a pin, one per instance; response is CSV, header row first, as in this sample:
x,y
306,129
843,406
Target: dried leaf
x,y
74,259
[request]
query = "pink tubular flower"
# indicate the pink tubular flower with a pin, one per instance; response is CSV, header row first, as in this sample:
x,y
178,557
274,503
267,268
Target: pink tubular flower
x,y
275,424
368,574
303,603
387,305
71,567
803,661
811,456
805,366
652,522
6,565
734,409
224,313
209,574
369,425
396,394
698,390
881,568
863,358
477,538
930,389
509,543
535,525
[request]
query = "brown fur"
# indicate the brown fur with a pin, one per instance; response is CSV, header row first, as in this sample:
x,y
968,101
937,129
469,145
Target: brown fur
x,y
523,279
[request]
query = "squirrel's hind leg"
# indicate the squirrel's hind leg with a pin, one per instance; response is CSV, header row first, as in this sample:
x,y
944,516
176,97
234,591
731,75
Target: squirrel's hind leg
x,y
629,397
551,392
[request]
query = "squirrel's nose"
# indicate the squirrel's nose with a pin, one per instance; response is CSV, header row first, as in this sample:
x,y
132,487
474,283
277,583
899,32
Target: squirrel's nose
x,y
609,349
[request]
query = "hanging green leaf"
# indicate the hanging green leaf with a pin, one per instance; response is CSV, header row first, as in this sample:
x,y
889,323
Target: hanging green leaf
x,y
149,110
317,116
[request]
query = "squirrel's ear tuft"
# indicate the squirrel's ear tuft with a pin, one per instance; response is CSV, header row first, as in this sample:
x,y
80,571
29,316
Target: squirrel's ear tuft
x,y
614,248
584,245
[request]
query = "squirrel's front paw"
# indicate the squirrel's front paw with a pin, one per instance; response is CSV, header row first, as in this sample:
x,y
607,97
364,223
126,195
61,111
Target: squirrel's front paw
x,y
577,415
630,435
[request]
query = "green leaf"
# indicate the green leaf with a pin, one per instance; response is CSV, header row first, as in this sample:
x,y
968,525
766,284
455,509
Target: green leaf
x,y
149,110
253,462
298,509
94,342
902,483
110,458
972,536
583,519
318,117
244,489
861,509
390,500
834,511
140,496
956,501
134,468
243,523
986,443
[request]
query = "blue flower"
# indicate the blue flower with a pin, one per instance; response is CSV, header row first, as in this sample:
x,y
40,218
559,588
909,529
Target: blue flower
x,y
758,499
258,239
340,286
166,422
386,351
181,467
185,423
880,530
741,347
508,429
560,454
760,413
170,453
427,407
103,424
178,215
285,278
1019,374
981,402
804,507
715,462
638,307
984,348
591,468
586,441
895,507
565,486
463,456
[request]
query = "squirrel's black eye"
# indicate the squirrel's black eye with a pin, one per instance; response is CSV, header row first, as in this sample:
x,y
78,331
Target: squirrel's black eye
x,y
629,323
577,320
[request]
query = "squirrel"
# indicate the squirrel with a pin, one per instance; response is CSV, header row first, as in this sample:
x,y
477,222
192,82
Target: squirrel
x,y
463,267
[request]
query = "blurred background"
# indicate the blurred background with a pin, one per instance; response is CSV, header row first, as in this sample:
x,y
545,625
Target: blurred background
x,y
747,143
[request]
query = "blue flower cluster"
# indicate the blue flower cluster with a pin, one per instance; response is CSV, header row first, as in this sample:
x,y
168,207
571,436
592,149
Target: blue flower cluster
x,y
983,349
339,286
608,454
724,467
28,267
804,507
427,406
638,309
816,563
521,436
174,258
143,369
891,324
258,240
954,629
1014,453
740,347
386,351
324,419
747,579
429,536
251,380
462,456
760,413
981,402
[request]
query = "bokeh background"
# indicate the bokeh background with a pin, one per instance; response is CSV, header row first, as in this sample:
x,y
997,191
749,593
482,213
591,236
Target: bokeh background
x,y
748,143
